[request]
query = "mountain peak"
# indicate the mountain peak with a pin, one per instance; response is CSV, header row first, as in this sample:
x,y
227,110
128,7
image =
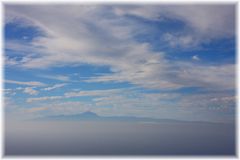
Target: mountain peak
x,y
89,114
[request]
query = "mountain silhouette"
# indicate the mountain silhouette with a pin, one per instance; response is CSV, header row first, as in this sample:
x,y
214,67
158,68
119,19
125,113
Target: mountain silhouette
x,y
91,116
88,114
82,116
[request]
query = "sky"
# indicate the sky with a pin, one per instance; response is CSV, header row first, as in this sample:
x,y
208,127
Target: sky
x,y
159,61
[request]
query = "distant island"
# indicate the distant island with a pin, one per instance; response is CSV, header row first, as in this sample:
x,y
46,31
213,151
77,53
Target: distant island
x,y
91,116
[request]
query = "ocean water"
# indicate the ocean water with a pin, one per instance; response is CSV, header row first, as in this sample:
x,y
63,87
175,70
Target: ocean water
x,y
117,138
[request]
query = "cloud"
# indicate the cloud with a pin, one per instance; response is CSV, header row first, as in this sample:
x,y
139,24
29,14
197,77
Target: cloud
x,y
9,91
28,83
92,93
10,105
63,108
175,76
221,77
56,77
30,100
127,101
30,91
39,109
224,99
201,23
209,21
195,57
110,41
10,61
178,41
54,87
133,102
77,94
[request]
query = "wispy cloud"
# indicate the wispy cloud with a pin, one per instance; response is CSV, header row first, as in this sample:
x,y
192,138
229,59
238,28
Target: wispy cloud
x,y
56,77
77,94
92,93
130,60
9,91
30,90
29,100
177,75
54,87
39,109
201,20
27,83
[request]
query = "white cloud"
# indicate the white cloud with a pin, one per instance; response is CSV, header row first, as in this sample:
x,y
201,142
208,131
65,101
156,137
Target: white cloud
x,y
54,87
30,90
56,77
178,41
209,21
77,94
38,109
109,41
92,93
10,61
98,93
196,58
176,75
30,100
28,83
202,23
224,99
61,108
9,91
219,77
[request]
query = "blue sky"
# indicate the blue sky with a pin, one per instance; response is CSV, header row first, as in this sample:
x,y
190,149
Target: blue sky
x,y
161,61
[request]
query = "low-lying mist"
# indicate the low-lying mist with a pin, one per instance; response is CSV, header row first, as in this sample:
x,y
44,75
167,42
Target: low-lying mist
x,y
118,138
